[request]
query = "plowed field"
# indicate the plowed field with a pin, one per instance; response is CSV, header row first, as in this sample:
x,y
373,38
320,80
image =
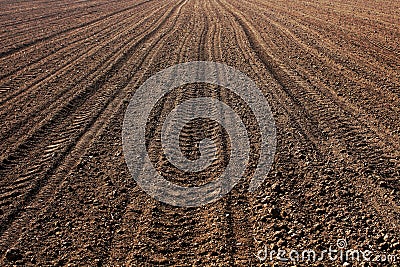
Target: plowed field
x,y
330,70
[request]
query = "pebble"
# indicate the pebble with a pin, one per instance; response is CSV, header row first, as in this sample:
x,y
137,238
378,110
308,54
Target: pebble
x,y
275,212
386,238
13,254
276,188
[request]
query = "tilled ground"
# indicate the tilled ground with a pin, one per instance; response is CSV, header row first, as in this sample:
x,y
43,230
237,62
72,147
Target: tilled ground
x,y
329,70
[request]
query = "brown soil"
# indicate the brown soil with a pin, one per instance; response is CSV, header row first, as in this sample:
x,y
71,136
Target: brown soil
x,y
330,71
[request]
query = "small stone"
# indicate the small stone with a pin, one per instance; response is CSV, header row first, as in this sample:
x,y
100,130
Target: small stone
x,y
276,188
13,254
275,212
320,211
386,238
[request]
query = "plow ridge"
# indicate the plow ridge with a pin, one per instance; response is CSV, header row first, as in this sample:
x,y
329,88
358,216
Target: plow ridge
x,y
329,72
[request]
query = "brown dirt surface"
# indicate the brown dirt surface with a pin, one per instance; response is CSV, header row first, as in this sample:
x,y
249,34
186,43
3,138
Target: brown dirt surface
x,y
330,70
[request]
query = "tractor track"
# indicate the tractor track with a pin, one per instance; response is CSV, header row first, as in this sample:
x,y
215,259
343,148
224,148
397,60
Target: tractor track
x,y
329,71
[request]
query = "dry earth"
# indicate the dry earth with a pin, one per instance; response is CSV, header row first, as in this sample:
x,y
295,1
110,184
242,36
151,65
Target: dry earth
x,y
330,71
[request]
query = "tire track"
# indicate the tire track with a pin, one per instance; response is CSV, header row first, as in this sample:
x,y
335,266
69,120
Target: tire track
x,y
55,203
159,221
20,31
49,37
57,44
287,25
78,37
237,207
65,166
350,36
117,109
59,95
56,13
374,123
166,223
347,107
76,123
77,98
347,126
20,131
303,19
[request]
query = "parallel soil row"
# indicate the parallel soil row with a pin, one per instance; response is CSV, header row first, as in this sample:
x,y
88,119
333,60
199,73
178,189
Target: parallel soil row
x,y
329,71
